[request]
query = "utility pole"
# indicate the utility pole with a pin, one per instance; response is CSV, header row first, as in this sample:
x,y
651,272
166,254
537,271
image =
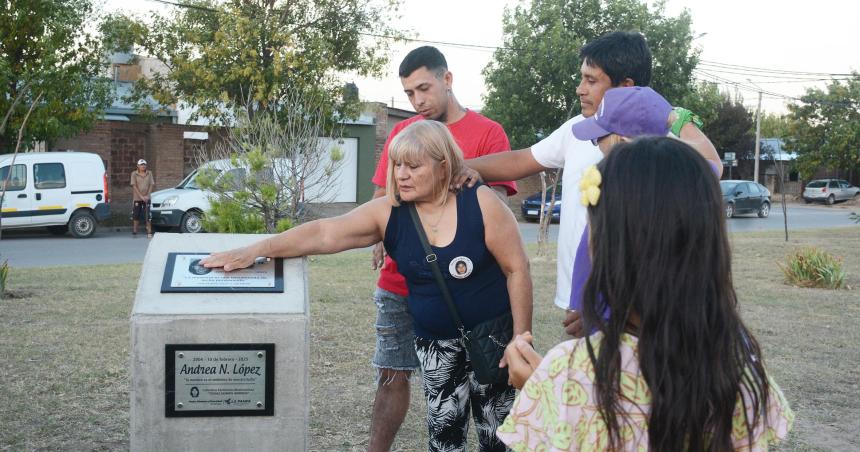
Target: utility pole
x,y
757,131
757,137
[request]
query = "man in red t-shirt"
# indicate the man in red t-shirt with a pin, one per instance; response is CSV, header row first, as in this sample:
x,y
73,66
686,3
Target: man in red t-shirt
x,y
427,83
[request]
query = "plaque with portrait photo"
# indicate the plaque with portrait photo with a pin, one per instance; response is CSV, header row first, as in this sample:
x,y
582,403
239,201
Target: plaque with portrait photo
x,y
183,273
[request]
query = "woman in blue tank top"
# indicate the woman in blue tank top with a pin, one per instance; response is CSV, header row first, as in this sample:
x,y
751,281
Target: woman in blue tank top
x,y
479,250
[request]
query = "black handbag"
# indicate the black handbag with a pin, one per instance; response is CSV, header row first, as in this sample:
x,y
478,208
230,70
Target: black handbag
x,y
485,343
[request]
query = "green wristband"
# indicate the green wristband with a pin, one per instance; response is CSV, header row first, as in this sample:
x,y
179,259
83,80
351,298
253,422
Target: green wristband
x,y
684,117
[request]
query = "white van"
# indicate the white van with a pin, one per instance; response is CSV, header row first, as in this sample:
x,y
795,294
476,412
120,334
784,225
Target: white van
x,y
63,191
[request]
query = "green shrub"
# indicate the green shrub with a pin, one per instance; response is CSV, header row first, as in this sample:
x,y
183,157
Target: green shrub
x,y
229,216
234,217
811,267
284,224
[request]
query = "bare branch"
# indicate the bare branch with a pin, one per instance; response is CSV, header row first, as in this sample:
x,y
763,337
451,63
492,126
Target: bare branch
x,y
15,154
14,104
298,162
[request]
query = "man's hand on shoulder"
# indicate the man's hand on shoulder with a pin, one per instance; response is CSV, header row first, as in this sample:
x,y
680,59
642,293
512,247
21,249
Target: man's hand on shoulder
x,y
467,176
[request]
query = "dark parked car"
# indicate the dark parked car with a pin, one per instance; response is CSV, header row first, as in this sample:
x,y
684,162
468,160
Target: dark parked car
x,y
531,205
742,196
829,191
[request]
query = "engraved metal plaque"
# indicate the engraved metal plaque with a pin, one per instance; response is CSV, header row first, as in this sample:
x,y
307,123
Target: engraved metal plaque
x,y
219,380
183,273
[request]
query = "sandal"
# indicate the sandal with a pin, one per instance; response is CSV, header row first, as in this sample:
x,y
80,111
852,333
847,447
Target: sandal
x,y
149,235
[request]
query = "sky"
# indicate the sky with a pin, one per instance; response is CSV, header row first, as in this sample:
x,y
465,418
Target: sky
x,y
736,35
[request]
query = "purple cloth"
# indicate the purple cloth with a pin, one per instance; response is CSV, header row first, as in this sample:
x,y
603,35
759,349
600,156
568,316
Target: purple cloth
x,y
631,111
581,271
582,264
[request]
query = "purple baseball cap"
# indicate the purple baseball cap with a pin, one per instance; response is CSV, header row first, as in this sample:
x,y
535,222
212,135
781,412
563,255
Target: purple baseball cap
x,y
630,112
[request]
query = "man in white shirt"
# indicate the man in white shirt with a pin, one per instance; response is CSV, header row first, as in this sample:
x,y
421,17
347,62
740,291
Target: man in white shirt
x,y
615,59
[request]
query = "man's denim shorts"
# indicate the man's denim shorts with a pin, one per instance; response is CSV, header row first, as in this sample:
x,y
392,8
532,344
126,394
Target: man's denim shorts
x,y
395,337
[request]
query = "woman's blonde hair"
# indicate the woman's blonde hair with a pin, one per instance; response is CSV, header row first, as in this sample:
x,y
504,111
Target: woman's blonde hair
x,y
423,138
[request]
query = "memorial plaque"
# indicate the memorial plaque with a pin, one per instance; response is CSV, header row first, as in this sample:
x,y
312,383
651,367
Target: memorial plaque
x,y
183,273
219,380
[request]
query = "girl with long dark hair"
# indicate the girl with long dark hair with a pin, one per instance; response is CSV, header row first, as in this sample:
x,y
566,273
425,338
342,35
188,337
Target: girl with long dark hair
x,y
673,367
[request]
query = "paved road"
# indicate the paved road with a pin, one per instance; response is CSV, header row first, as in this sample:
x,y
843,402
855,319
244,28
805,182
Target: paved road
x,y
37,248
799,217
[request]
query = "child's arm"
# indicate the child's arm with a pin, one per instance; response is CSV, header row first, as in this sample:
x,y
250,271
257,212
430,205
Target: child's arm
x,y
689,133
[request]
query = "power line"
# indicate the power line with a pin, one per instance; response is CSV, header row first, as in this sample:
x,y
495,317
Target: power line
x,y
769,70
774,76
808,80
743,86
770,94
713,66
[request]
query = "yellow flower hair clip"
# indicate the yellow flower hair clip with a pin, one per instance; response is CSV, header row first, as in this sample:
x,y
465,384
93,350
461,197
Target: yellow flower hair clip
x,y
589,186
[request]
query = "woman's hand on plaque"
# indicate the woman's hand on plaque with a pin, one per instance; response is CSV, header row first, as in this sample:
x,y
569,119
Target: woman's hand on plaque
x,y
230,260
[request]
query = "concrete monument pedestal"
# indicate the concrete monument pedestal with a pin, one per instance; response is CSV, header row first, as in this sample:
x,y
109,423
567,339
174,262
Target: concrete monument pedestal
x,y
209,319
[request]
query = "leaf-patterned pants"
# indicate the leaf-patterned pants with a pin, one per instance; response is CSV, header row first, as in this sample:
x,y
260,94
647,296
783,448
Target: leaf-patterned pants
x,y
452,392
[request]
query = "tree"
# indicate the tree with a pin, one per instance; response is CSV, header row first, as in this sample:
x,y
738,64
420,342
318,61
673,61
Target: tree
x,y
43,49
282,164
732,131
532,80
704,100
774,125
825,129
247,54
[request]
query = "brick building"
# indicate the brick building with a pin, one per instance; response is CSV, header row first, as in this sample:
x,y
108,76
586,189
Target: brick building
x,y
121,143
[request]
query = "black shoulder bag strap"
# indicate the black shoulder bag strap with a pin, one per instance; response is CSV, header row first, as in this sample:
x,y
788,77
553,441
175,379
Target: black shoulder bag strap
x,y
431,259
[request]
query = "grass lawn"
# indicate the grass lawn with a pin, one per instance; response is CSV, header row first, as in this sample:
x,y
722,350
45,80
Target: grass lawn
x,y
64,348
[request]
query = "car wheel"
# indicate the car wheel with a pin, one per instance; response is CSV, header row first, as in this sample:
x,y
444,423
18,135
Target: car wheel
x,y
82,225
830,200
764,210
807,200
730,210
58,230
191,222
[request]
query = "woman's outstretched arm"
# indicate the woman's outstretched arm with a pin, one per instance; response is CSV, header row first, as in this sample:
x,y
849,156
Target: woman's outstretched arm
x,y
362,226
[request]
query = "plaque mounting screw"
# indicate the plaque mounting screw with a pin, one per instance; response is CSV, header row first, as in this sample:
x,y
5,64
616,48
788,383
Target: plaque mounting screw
x,y
179,405
181,355
259,404
259,354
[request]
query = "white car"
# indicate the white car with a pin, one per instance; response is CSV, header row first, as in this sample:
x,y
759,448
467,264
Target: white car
x,y
829,191
182,206
63,191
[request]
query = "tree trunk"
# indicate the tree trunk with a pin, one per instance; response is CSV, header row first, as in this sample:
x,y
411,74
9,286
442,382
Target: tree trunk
x,y
545,219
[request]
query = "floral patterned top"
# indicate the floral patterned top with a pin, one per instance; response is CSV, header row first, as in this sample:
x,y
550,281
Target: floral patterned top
x,y
557,409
